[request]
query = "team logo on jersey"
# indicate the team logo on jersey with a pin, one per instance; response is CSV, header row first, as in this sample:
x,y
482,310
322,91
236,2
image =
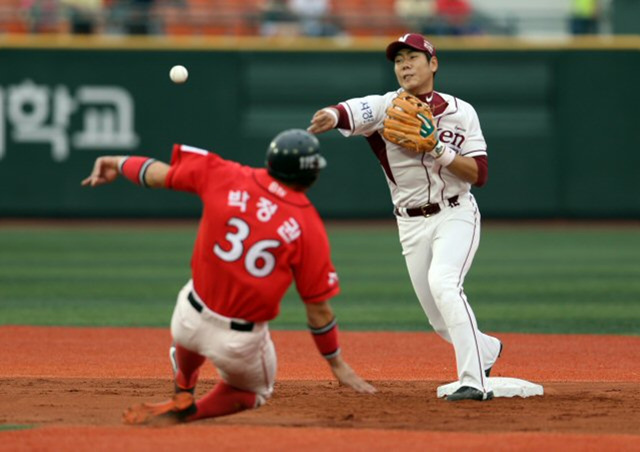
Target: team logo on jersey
x,y
455,139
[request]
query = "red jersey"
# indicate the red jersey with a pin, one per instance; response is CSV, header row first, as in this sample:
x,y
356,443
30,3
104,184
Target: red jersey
x,y
255,237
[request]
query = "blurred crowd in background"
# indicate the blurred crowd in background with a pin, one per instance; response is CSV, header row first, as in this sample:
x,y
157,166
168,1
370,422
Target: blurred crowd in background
x,y
307,17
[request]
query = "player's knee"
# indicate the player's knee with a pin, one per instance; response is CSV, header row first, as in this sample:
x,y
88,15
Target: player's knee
x,y
442,331
446,292
443,282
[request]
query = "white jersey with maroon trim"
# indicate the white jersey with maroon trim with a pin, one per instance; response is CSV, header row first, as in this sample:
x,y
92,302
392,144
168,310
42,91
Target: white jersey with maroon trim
x,y
416,179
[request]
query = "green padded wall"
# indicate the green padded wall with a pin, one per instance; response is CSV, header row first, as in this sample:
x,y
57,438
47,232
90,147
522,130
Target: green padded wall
x,y
560,124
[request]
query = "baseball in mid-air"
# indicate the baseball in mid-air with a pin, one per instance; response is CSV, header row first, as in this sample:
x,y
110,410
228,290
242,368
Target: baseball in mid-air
x,y
178,74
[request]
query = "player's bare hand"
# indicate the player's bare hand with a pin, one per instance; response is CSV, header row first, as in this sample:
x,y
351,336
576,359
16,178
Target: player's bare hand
x,y
324,120
105,170
346,376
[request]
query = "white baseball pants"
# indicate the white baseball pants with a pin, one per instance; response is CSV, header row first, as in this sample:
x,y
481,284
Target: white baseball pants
x,y
438,251
244,359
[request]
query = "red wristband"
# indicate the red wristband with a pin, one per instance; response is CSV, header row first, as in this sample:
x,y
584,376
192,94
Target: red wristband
x,y
326,339
134,168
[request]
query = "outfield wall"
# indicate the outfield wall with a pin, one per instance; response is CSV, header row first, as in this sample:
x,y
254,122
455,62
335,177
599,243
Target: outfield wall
x,y
560,119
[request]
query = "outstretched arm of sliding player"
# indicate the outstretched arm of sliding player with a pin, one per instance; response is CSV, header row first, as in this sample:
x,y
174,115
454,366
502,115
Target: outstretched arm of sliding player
x,y
324,329
140,170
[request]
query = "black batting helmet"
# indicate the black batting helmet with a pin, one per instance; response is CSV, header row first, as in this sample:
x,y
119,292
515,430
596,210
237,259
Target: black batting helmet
x,y
294,157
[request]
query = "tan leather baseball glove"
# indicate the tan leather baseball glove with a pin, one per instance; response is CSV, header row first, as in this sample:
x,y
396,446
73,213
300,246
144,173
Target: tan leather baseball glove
x,y
410,124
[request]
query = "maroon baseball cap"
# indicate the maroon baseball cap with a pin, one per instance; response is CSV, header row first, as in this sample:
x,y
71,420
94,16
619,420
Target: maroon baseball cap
x,y
413,41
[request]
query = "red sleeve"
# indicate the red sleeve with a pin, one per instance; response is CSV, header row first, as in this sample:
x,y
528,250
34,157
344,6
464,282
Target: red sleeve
x,y
190,168
483,170
315,276
343,120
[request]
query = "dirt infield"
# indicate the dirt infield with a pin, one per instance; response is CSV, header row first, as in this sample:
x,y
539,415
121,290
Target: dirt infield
x,y
70,385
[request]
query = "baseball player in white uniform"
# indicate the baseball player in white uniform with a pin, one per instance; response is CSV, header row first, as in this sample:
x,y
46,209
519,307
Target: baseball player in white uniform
x,y
438,218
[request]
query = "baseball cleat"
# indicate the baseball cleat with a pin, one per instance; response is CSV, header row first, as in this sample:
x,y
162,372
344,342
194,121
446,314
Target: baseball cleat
x,y
488,371
172,411
469,393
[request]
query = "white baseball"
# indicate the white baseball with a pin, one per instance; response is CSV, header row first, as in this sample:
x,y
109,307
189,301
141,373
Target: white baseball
x,y
178,74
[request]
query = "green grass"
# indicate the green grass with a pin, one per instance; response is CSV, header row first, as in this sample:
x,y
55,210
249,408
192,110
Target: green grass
x,y
524,279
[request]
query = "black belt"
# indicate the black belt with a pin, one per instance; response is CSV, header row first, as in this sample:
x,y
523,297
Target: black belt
x,y
233,324
428,209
